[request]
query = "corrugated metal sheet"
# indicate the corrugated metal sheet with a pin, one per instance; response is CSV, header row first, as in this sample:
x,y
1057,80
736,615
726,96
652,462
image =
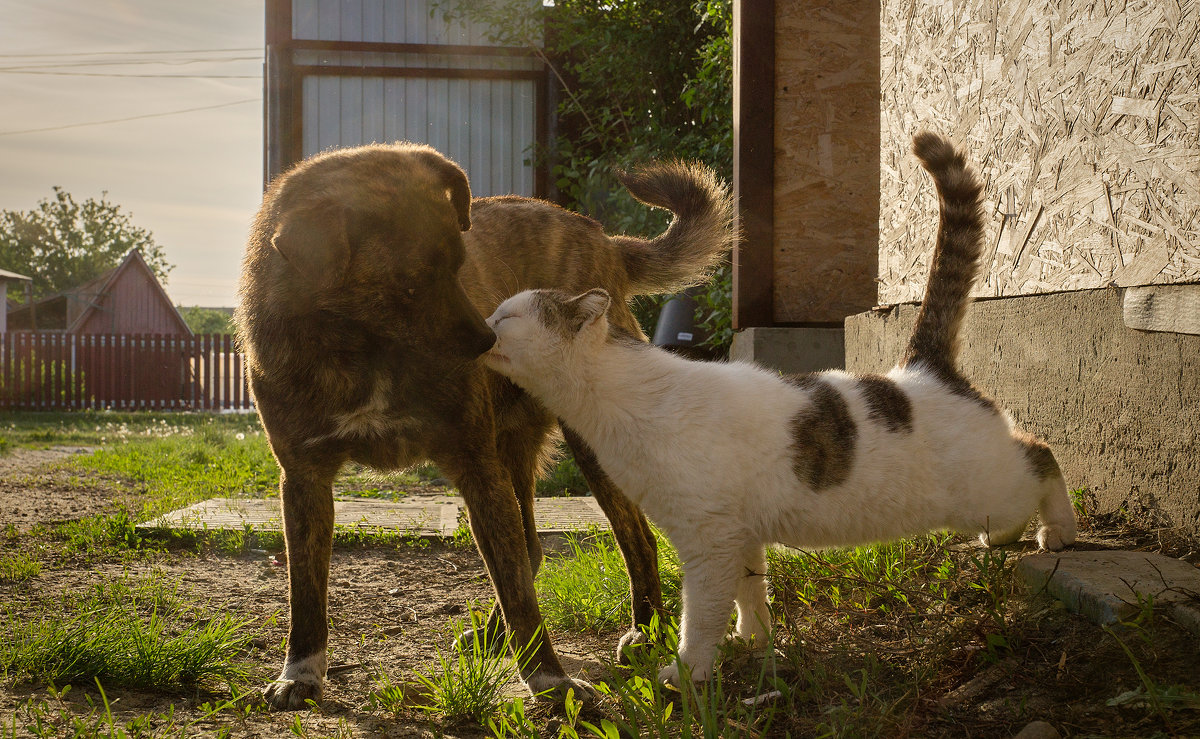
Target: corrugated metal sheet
x,y
488,126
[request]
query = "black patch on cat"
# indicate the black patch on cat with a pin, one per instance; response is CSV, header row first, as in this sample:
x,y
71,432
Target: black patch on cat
x,y
886,402
823,435
1041,460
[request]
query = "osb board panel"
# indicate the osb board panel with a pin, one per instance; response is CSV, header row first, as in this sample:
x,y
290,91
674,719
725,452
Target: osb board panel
x,y
1084,117
826,200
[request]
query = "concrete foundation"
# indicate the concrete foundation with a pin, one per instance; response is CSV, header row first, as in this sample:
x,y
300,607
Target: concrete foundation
x,y
1120,407
791,350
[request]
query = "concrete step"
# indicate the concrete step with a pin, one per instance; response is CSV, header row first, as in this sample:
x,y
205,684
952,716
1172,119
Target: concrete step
x,y
1105,586
427,516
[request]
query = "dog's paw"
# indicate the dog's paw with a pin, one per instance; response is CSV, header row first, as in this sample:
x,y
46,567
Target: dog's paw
x,y
290,695
553,688
301,681
628,642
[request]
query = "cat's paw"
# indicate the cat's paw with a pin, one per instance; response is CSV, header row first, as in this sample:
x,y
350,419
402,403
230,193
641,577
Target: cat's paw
x,y
553,688
628,642
1053,537
671,674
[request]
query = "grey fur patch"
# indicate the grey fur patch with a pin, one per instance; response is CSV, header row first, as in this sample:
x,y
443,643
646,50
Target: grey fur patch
x,y
1041,460
886,403
554,311
823,435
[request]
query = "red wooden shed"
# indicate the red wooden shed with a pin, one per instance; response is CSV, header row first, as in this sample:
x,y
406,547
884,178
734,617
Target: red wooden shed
x,y
127,299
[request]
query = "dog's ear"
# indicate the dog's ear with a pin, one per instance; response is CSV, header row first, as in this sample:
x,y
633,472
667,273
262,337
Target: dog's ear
x,y
588,308
314,241
455,182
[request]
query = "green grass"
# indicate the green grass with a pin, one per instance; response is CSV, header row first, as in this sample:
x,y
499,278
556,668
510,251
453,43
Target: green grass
x,y
93,428
587,589
18,567
56,717
127,632
464,685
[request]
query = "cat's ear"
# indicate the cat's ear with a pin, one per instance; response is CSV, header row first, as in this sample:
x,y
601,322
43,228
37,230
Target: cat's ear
x,y
589,307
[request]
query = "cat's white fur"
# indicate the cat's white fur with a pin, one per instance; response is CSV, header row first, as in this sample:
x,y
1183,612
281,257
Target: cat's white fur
x,y
708,450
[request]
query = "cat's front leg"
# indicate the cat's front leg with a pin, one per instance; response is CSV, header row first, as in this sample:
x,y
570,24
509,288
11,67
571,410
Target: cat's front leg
x,y
710,581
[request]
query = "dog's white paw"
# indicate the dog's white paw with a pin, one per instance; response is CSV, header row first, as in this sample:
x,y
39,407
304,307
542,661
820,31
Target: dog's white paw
x,y
300,682
289,695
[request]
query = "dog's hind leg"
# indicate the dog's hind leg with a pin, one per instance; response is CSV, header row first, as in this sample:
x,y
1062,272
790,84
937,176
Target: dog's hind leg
x,y
635,538
466,452
306,491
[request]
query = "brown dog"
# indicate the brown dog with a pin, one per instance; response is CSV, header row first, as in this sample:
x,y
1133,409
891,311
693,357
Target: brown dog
x,y
365,278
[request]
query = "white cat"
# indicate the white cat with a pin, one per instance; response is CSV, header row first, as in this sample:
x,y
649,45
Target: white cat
x,y
728,457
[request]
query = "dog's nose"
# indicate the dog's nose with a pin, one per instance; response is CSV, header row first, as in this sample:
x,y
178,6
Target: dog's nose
x,y
486,341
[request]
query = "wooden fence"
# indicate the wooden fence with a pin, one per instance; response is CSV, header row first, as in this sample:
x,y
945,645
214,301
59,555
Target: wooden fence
x,y
53,371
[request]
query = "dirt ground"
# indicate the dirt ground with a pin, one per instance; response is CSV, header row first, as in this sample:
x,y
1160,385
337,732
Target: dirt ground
x,y
391,607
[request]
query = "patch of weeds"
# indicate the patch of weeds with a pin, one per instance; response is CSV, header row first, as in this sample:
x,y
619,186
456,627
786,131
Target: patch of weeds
x,y
6,445
50,719
464,685
18,568
587,588
1149,695
131,633
98,535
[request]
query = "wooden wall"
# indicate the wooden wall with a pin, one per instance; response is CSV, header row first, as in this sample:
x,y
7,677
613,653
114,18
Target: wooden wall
x,y
806,162
1084,117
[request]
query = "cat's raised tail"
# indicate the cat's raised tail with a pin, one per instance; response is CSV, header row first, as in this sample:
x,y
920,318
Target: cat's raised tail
x,y
934,340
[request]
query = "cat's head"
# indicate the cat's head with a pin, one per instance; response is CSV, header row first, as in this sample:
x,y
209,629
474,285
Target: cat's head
x,y
538,332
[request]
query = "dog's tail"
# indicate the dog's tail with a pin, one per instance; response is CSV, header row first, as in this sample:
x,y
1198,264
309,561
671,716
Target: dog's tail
x,y
934,340
700,234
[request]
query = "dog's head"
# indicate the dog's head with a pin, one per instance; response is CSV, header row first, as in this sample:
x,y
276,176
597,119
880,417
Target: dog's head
x,y
373,235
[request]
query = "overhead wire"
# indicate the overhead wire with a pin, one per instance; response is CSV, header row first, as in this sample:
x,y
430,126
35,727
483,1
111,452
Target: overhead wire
x,y
132,117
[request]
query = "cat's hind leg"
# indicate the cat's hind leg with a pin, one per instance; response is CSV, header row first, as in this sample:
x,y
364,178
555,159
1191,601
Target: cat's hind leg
x,y
754,617
710,581
1057,515
992,538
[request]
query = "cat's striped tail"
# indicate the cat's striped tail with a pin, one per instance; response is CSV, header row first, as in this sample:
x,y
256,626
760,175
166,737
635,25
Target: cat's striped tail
x,y
934,340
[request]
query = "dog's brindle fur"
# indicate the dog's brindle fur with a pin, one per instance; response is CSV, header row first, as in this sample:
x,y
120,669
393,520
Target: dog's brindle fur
x,y
361,300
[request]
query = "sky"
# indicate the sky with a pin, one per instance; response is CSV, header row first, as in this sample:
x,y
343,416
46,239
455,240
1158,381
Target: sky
x,y
84,86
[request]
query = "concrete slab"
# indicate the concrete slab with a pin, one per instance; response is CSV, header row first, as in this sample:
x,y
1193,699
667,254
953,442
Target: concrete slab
x,y
1105,585
430,516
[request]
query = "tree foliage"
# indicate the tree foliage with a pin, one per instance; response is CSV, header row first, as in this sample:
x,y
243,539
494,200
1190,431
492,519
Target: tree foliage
x,y
63,243
207,320
638,80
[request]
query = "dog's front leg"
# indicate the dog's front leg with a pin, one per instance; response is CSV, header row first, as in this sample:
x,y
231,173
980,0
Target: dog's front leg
x,y
306,490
